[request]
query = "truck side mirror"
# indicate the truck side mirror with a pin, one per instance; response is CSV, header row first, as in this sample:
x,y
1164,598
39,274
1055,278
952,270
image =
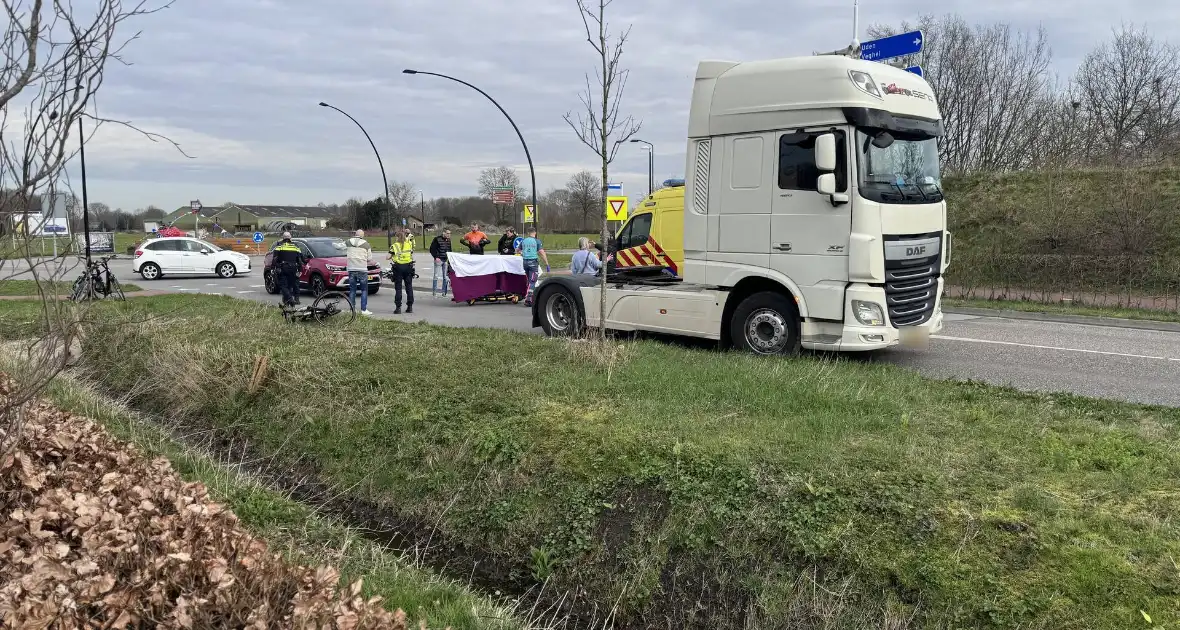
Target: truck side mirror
x,y
826,185
825,152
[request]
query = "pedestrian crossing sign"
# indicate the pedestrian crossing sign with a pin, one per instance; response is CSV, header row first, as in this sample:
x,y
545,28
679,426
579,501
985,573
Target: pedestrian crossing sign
x,y
616,208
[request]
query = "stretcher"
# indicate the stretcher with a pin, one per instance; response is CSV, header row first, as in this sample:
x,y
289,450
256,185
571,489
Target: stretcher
x,y
486,278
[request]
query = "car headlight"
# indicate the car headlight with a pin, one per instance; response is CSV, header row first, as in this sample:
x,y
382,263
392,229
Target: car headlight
x,y
868,313
334,268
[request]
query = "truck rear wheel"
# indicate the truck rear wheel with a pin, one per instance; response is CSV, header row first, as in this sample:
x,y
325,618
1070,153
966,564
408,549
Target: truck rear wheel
x,y
765,323
559,312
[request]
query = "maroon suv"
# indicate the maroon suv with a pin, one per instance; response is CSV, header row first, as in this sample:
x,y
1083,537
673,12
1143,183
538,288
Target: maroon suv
x,y
326,268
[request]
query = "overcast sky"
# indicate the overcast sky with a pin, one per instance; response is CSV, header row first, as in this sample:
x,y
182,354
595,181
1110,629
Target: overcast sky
x,y
237,82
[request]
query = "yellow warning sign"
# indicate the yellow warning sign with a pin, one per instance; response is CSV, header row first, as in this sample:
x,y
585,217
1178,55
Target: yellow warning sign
x,y
530,214
616,208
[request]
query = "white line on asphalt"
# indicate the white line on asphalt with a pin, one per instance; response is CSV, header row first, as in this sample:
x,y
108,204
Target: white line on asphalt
x,y
213,284
257,286
241,292
1038,347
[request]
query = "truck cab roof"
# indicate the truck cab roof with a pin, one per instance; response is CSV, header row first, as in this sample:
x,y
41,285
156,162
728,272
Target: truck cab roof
x,y
741,97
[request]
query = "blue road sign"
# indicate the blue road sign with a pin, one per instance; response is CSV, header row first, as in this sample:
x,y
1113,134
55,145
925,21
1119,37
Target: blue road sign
x,y
895,46
258,237
915,69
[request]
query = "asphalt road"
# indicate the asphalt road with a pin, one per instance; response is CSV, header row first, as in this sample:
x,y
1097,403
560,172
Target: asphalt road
x,y
1101,361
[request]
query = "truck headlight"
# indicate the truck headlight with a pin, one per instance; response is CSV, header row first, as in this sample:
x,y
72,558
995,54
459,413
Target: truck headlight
x,y
868,313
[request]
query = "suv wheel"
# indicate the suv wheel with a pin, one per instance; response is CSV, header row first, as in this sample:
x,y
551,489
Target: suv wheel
x,y
270,282
317,284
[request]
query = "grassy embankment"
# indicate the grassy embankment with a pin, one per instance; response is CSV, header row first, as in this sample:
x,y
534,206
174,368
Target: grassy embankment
x,y
1099,237
1139,314
296,530
690,488
9,288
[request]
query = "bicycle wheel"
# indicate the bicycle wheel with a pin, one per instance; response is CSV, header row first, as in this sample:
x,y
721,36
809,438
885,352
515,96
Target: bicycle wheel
x,y
333,307
116,289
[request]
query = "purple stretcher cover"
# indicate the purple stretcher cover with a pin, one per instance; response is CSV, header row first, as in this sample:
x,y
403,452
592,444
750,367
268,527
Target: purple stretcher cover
x,y
474,287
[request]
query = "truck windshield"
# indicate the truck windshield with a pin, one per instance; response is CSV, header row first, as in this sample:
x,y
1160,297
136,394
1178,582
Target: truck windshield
x,y
904,172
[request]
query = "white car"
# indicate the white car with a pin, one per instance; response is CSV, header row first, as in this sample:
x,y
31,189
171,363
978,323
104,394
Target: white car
x,y
183,256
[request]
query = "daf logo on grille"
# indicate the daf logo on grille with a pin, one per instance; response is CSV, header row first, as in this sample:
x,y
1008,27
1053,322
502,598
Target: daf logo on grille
x,y
915,251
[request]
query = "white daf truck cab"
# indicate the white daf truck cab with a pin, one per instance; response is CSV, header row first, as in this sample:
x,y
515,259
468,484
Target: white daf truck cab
x,y
813,216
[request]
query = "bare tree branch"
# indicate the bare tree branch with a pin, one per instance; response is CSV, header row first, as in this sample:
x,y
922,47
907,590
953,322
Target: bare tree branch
x,y
54,61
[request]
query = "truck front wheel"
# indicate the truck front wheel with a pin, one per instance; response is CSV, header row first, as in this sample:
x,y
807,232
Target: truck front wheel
x,y
765,323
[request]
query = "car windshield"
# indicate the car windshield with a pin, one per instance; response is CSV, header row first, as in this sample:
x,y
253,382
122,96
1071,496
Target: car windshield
x,y
904,172
326,249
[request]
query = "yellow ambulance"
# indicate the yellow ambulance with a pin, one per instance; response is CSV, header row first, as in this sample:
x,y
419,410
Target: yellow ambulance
x,y
654,235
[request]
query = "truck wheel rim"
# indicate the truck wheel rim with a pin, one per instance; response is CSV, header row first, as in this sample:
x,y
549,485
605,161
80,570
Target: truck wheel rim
x,y
559,312
766,331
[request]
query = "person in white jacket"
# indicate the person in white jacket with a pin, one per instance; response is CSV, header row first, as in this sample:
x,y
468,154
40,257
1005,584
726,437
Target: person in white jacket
x,y
358,251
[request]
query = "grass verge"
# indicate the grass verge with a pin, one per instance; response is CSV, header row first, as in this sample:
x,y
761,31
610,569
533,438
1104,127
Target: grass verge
x,y
1065,309
24,288
687,488
295,529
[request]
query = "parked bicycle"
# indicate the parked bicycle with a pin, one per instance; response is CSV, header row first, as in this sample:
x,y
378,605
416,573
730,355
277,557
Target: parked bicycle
x,y
97,282
328,307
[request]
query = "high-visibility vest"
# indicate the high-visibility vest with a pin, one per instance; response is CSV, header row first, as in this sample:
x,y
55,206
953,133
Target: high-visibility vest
x,y
403,252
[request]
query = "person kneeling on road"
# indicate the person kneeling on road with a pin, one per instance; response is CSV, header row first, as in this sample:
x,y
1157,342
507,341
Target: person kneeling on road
x,y
290,260
401,252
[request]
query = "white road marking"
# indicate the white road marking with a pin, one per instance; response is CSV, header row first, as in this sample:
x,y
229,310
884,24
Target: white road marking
x,y
1039,347
257,286
190,289
241,292
211,284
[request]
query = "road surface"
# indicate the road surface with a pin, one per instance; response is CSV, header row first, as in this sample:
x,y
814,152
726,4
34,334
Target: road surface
x,y
1092,360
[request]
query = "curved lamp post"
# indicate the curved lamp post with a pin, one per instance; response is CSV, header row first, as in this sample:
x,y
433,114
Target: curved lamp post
x,y
527,155
375,152
651,164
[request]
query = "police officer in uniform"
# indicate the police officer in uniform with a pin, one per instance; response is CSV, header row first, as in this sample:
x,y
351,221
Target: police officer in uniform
x,y
289,259
401,252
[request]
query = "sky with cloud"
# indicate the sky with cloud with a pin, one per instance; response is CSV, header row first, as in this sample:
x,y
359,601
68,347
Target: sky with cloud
x,y
237,82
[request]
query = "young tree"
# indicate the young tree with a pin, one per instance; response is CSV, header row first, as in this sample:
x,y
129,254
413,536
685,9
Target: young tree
x,y
54,60
585,196
502,177
600,125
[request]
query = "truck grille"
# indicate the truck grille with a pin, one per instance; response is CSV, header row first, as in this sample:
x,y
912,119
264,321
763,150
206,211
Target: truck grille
x,y
911,289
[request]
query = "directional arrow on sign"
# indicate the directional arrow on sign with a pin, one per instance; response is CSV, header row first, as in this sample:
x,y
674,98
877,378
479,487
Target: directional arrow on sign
x,y
895,46
915,69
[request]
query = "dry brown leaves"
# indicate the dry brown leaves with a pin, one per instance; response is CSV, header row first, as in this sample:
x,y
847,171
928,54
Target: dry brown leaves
x,y
93,535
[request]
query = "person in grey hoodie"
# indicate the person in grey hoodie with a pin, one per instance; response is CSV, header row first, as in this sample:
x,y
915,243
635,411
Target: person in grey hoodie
x,y
358,251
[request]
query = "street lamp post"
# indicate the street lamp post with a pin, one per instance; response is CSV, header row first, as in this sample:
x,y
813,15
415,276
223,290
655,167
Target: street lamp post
x,y
384,181
651,164
527,155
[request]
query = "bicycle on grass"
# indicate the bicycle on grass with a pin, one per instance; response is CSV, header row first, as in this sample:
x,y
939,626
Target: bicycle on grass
x,y
328,307
97,281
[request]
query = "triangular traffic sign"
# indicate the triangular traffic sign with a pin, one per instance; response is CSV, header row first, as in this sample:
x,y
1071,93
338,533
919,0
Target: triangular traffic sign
x,y
616,208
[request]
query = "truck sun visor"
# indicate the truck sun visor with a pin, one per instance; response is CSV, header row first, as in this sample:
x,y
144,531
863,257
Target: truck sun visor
x,y
901,126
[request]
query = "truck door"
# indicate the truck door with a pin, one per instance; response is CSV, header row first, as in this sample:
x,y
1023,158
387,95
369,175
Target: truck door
x,y
808,235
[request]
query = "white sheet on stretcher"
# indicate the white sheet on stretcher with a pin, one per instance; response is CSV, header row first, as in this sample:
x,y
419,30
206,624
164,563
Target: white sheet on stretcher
x,y
468,265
